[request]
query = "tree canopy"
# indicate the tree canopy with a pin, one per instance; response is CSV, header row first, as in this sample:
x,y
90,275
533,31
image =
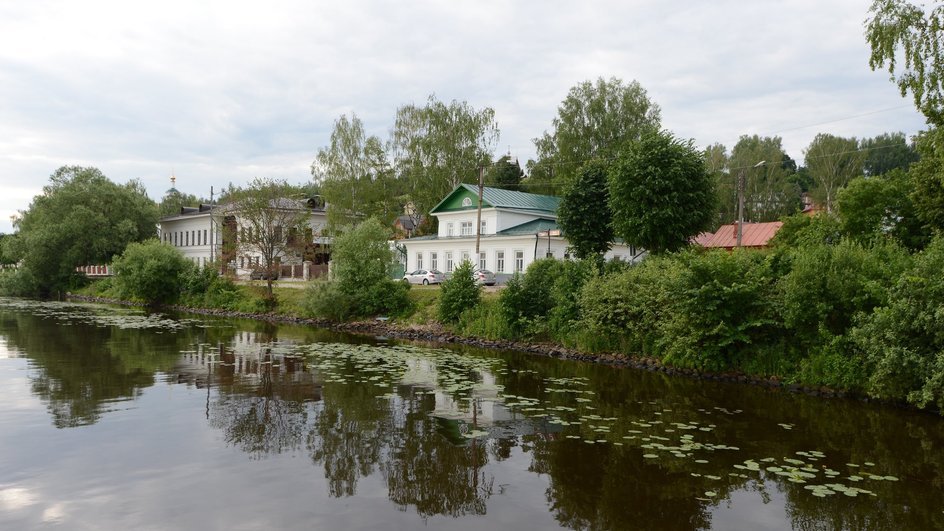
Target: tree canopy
x,y
584,212
505,174
661,193
595,120
899,31
769,191
81,218
887,152
832,162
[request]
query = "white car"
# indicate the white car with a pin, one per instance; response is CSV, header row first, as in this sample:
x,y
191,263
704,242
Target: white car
x,y
484,276
424,276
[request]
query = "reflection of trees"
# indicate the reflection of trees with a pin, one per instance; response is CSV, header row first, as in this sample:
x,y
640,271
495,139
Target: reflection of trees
x,y
79,368
427,471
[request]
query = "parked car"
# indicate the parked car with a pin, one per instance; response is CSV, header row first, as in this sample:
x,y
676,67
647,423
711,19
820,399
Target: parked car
x,y
484,276
424,276
262,274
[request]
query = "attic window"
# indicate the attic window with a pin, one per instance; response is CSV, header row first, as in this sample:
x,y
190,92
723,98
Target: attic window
x,y
467,202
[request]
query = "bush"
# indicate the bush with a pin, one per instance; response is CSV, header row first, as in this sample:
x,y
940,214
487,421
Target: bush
x,y
458,294
328,301
485,320
904,341
151,271
18,283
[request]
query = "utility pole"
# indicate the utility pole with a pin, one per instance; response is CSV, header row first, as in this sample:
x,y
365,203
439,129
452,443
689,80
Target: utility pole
x,y
478,225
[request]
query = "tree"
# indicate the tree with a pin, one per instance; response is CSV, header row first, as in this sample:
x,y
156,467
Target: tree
x,y
458,293
595,120
832,161
584,212
81,218
769,191
151,271
898,30
928,177
716,159
438,146
271,217
505,174
661,193
881,205
174,200
355,176
887,152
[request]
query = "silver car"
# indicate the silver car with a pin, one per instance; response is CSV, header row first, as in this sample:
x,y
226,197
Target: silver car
x,y
484,276
424,276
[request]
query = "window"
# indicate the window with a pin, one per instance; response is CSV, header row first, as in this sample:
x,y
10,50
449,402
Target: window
x,y
434,261
448,261
467,202
204,239
465,229
482,227
499,261
175,239
465,256
193,237
450,230
482,261
519,261
419,260
242,263
186,239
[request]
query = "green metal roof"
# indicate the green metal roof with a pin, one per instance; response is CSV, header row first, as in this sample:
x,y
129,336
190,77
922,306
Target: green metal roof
x,y
496,198
532,227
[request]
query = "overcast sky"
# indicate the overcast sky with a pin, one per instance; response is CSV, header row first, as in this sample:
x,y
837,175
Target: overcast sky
x,y
224,91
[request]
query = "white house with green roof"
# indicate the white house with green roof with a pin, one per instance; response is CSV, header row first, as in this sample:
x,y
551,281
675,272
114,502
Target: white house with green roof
x,y
517,228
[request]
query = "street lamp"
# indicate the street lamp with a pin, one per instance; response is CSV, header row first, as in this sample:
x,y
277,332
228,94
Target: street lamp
x,y
740,231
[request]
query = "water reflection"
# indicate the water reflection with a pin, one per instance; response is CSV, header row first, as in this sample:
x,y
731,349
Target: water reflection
x,y
452,433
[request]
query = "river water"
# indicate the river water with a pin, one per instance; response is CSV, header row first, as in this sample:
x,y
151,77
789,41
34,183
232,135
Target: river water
x,y
116,419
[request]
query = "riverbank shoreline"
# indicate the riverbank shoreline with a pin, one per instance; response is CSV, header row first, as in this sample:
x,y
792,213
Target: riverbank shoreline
x,y
435,333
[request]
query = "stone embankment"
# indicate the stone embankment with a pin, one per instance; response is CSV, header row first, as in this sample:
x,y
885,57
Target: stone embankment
x,y
434,333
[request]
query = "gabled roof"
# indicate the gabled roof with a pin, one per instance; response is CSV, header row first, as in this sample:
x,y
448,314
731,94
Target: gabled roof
x,y
496,198
753,235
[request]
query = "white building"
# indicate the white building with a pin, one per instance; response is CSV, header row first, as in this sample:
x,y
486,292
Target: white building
x,y
197,232
517,228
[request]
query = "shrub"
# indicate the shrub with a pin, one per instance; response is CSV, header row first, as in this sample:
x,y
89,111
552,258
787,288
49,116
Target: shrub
x,y
18,283
485,320
151,271
458,294
904,341
327,300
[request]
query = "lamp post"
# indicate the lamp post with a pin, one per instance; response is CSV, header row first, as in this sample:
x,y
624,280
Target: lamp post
x,y
740,231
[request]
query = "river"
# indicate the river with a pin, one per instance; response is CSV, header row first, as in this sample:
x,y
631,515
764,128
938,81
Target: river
x,y
113,418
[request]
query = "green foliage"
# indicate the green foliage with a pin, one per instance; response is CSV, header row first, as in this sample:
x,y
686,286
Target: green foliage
x,y
361,286
458,293
151,271
881,206
173,201
485,320
828,287
81,218
928,177
904,341
800,230
899,30
440,146
594,121
887,152
505,174
660,193
18,283
584,213
832,162
355,176
771,188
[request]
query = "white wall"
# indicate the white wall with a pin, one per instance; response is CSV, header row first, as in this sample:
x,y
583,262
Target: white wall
x,y
192,236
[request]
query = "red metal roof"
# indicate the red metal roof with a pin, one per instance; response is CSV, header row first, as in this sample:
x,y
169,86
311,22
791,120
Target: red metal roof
x,y
754,235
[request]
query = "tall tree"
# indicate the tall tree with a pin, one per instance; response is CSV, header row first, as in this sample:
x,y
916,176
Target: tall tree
x,y
716,160
174,200
832,162
661,193
437,146
887,152
898,30
881,205
271,218
355,176
769,193
505,174
584,213
928,177
595,120
80,218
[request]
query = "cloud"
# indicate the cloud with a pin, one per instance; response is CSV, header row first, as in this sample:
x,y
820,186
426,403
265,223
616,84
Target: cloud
x,y
220,92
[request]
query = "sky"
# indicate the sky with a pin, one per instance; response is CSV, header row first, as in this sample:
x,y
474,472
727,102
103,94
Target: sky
x,y
217,92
